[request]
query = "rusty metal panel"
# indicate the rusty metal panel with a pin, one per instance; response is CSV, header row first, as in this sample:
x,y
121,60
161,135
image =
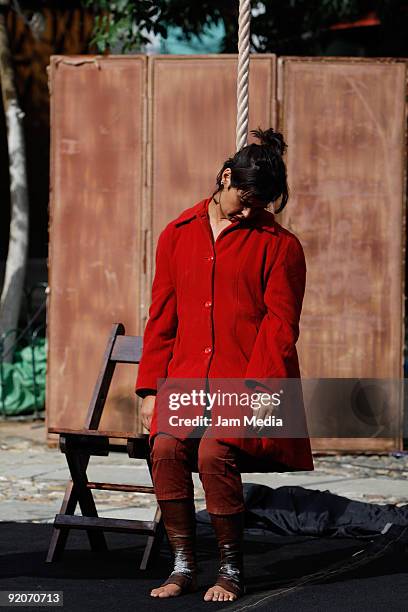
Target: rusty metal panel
x,y
344,121
192,104
97,141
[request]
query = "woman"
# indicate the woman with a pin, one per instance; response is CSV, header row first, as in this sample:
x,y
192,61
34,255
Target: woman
x,y
226,302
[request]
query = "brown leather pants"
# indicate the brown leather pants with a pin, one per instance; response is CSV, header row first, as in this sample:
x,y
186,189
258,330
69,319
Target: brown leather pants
x,y
173,462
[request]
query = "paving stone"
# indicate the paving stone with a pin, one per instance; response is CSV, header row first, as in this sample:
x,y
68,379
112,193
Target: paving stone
x,y
33,478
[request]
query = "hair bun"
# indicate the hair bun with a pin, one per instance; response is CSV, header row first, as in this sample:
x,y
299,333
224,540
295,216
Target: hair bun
x,y
271,139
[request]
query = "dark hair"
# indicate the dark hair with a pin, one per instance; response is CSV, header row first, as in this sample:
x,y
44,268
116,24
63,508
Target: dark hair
x,y
259,170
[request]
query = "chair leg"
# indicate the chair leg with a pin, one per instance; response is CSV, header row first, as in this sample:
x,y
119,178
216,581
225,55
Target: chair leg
x,y
77,463
154,542
59,536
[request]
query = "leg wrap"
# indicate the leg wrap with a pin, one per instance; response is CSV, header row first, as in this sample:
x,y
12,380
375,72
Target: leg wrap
x,y
179,521
229,530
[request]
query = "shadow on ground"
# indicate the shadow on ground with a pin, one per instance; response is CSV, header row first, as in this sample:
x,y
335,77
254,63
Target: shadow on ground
x,y
282,572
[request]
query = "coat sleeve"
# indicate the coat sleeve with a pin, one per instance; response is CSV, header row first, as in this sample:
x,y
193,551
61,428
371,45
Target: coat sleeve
x,y
161,328
274,352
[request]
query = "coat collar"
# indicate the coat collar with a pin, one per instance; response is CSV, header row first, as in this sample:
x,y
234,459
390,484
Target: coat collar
x,y
264,219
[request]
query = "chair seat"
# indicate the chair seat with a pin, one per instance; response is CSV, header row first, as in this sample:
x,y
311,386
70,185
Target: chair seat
x,y
97,433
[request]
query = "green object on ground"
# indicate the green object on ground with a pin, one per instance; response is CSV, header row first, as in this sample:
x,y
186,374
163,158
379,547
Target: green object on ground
x,y
17,393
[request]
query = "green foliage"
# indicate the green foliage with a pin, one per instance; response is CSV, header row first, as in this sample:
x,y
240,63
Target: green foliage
x,y
275,25
124,22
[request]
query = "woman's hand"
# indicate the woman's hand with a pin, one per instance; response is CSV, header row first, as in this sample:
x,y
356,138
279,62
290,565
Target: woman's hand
x,y
146,411
262,413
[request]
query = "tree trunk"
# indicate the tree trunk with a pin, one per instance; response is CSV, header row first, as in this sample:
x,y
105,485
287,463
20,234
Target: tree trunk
x,y
11,296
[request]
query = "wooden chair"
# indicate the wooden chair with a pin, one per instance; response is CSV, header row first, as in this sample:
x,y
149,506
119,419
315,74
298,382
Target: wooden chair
x,y
78,445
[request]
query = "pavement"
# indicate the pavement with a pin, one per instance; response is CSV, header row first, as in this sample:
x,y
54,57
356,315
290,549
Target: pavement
x,y
33,477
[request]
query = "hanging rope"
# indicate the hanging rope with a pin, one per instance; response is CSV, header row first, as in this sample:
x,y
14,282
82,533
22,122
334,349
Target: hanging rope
x,y
243,72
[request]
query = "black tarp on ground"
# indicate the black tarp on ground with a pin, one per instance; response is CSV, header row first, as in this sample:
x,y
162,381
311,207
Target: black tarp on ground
x,y
300,511
283,572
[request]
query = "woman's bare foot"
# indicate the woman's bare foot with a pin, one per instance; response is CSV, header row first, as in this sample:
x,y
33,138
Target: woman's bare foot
x,y
169,590
218,593
176,584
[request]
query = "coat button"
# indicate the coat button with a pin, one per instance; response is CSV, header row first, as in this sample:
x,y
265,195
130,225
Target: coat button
x,y
208,304
210,258
207,349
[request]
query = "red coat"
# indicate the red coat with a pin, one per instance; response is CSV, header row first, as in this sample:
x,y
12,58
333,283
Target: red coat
x,y
228,309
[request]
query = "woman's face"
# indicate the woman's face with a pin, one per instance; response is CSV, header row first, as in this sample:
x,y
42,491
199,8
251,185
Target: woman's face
x,y
233,202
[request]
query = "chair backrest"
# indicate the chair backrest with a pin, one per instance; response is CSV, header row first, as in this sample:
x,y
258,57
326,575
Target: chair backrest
x,y
119,349
127,349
